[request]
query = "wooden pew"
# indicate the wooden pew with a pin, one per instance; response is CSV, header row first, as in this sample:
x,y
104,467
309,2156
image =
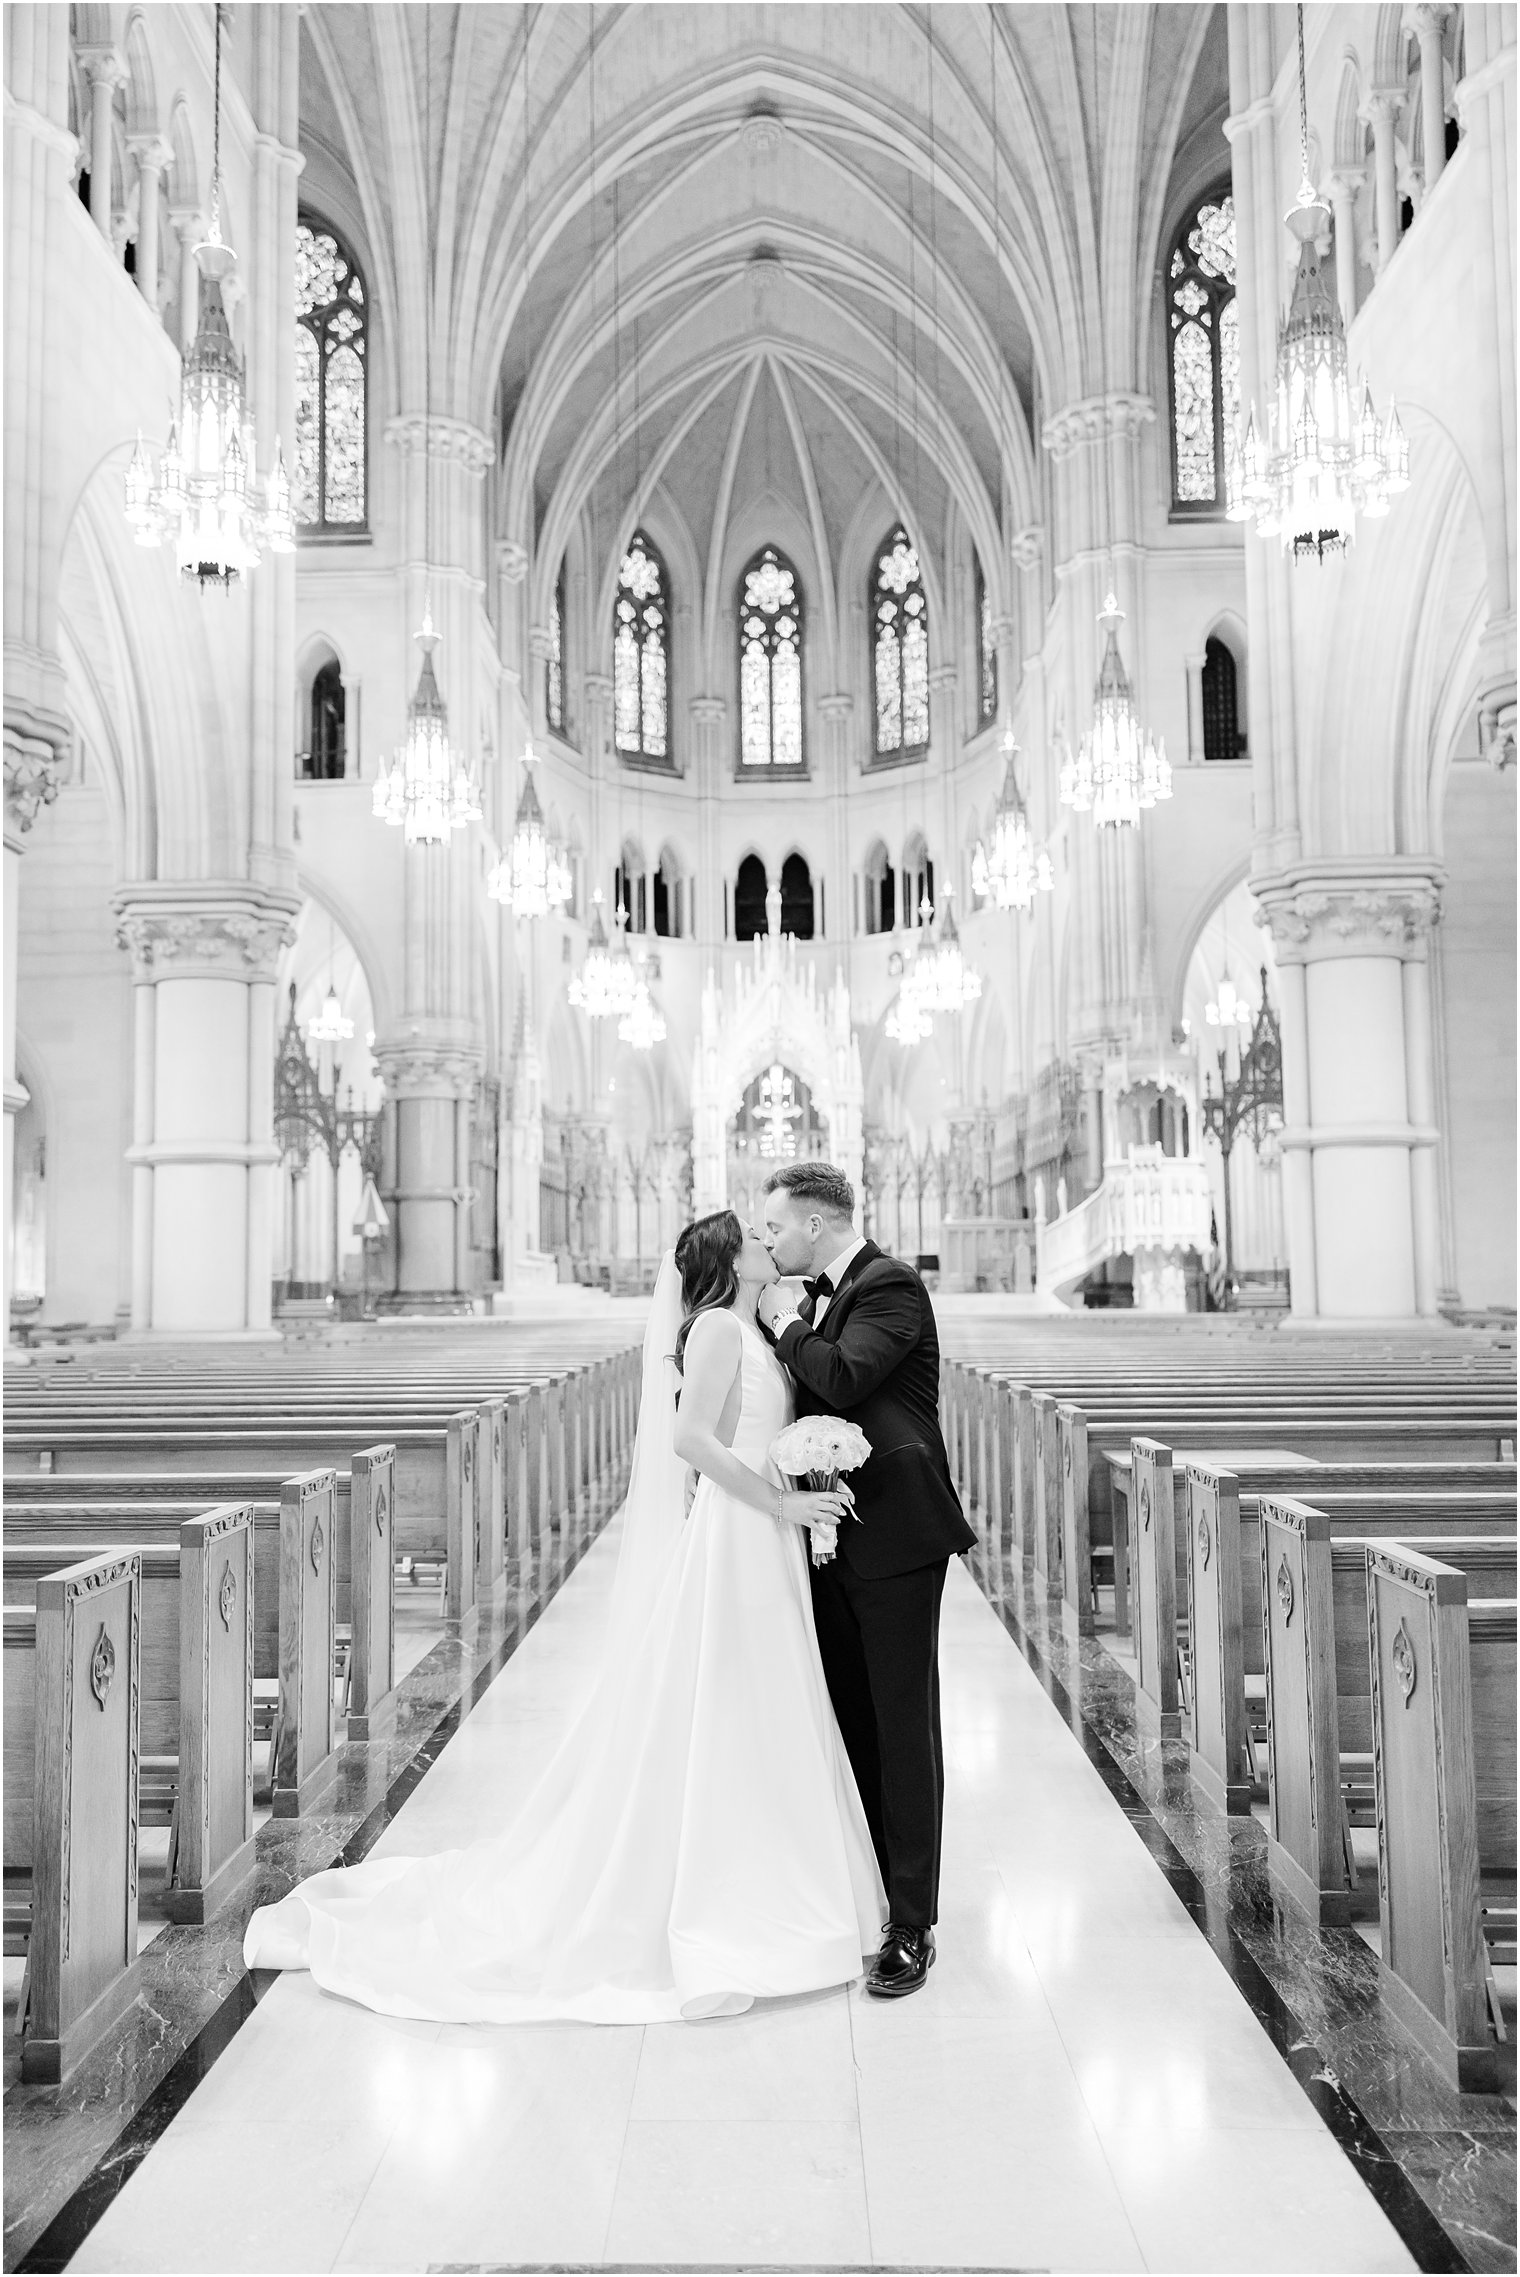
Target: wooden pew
x,y
371,1686
1319,1690
1443,1745
1219,1569
196,1694
303,1752
364,1505
72,1740
1153,1580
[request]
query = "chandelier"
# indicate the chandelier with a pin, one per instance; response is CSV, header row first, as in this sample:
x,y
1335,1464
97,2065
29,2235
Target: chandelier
x,y
907,1022
204,497
938,978
606,987
643,1024
329,1026
532,877
1119,770
1325,460
427,791
1012,869
1227,1009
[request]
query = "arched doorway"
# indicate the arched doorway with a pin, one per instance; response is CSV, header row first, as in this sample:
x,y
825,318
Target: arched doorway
x,y
777,1121
328,1105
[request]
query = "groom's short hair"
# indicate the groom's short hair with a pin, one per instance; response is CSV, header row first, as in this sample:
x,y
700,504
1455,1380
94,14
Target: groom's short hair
x,y
820,1183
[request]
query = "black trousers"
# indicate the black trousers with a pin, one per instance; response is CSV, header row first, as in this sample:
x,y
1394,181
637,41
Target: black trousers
x,y
880,1645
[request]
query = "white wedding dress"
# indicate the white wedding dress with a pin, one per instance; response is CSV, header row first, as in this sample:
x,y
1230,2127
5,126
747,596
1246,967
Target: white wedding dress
x,y
696,1843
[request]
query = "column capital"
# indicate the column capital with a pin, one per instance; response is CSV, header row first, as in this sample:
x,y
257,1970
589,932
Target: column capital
x,y
943,677
152,151
1352,908
1348,179
541,643
511,560
1095,418
838,706
1384,105
188,223
213,929
707,711
1430,19
1027,546
454,440
33,772
429,1068
103,66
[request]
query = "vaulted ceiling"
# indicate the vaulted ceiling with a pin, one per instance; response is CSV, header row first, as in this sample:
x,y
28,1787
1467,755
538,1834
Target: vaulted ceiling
x,y
738,252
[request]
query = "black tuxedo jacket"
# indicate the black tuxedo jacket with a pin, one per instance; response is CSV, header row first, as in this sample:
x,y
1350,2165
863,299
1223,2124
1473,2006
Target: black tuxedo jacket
x,y
874,1359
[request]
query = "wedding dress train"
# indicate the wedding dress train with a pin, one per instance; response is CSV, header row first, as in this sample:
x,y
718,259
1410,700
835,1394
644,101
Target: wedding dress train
x,y
696,1843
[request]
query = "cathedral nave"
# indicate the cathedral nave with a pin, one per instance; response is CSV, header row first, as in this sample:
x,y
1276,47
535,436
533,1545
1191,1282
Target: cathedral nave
x,y
605,603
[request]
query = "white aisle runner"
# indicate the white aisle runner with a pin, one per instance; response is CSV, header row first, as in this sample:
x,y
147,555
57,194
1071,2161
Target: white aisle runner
x,y
1078,2087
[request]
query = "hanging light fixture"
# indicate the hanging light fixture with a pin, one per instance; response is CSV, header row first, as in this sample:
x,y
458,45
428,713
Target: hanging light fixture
x,y
1011,869
1118,771
428,791
606,986
1227,1009
643,1024
204,499
532,876
1325,459
939,979
907,1022
329,1025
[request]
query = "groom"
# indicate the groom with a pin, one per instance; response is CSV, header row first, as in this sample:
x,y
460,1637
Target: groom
x,y
863,1345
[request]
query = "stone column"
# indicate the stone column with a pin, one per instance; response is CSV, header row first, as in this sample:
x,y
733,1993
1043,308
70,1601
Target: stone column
x,y
204,956
708,715
153,154
1343,188
1383,109
189,226
432,1085
1359,1089
1429,25
39,160
31,781
105,71
836,712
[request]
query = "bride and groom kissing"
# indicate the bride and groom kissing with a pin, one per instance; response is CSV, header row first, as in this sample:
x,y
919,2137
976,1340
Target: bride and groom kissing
x,y
749,1803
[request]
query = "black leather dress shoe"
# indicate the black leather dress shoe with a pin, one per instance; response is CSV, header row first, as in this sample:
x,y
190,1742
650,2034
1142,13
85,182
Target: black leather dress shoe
x,y
905,1959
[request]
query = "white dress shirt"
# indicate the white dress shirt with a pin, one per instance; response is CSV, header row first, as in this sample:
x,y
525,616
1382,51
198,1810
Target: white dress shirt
x,y
833,1275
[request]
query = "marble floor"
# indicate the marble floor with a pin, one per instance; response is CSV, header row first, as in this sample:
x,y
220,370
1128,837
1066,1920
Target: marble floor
x,y
1080,2086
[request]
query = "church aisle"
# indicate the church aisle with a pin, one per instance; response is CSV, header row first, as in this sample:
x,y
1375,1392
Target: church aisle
x,y
1079,2087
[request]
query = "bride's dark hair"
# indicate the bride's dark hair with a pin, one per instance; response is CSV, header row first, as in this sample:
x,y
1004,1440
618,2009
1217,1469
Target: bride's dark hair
x,y
706,1254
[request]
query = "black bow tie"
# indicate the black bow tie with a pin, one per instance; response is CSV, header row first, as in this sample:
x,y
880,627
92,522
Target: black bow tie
x,y
821,1286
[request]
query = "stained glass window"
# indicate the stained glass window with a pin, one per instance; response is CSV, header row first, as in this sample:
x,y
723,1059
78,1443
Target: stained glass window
x,y
770,663
986,653
329,479
1204,354
900,650
641,654
554,663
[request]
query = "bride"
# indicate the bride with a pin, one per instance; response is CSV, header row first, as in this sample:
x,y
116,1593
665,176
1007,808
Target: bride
x,y
697,1841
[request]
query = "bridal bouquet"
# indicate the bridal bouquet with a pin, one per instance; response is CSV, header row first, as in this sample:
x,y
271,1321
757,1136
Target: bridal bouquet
x,y
815,1451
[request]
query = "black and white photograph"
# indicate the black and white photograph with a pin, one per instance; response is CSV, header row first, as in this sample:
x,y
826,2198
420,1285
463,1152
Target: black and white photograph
x,y
760,1368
